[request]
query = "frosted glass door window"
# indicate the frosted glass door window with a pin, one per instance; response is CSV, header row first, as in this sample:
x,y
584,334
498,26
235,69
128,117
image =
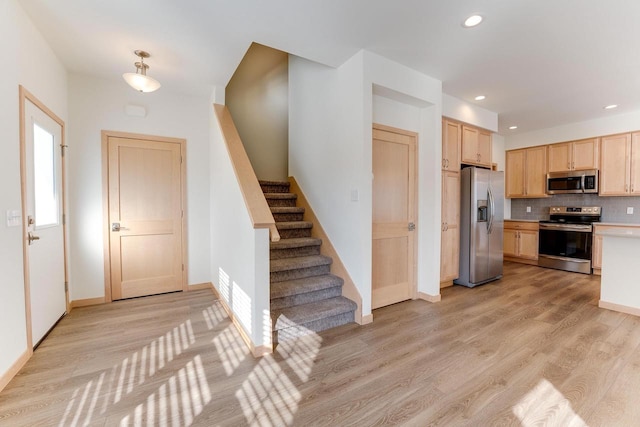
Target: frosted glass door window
x,y
44,176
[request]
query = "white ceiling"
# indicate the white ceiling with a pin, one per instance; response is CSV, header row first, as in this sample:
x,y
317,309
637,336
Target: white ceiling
x,y
541,63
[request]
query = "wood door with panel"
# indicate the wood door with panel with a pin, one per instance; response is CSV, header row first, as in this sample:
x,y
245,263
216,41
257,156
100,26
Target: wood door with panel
x,y
560,157
394,216
586,154
515,175
535,171
451,139
634,164
145,216
484,149
450,234
469,145
615,155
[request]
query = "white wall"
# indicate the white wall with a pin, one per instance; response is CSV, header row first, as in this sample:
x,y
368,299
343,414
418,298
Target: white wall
x,y
258,97
239,254
96,105
26,60
458,109
604,126
330,117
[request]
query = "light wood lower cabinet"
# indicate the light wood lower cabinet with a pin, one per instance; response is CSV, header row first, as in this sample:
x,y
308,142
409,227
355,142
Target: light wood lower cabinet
x,y
521,242
596,248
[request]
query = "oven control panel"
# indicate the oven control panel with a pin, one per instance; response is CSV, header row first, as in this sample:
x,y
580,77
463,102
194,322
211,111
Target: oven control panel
x,y
569,210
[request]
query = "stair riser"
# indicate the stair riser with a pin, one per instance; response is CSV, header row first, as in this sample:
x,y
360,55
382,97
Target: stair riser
x,y
283,217
299,273
294,232
290,301
281,202
294,252
272,188
315,326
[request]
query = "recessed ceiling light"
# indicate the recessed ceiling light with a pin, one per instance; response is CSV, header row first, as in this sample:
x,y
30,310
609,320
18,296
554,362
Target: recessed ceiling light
x,y
513,127
480,97
611,107
472,21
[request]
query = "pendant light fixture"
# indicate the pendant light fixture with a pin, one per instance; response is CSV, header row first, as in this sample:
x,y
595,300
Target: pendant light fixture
x,y
139,80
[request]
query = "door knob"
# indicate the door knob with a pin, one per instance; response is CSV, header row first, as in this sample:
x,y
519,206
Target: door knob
x,y
31,237
116,227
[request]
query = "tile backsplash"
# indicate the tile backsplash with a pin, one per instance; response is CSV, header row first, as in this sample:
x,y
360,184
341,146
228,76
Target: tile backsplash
x,y
614,209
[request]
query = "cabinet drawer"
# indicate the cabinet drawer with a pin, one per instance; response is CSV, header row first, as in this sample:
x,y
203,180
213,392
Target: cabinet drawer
x,y
515,225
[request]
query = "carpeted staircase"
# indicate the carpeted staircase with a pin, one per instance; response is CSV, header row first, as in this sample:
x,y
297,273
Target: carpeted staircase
x,y
304,293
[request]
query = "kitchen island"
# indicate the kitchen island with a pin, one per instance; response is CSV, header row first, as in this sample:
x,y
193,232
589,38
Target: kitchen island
x,y
620,284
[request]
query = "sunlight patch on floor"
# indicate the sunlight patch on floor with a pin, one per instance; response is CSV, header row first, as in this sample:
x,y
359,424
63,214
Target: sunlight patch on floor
x,y
269,396
177,402
213,315
545,405
125,376
231,349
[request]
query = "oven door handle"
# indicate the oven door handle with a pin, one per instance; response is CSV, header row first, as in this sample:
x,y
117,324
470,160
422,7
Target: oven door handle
x,y
568,227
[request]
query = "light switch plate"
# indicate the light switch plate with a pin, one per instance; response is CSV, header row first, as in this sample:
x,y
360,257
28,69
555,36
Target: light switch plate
x,y
14,218
528,209
355,195
630,210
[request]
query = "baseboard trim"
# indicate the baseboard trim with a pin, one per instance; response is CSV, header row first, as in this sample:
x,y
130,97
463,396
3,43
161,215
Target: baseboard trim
x,y
258,351
15,368
619,307
87,302
200,286
366,319
428,297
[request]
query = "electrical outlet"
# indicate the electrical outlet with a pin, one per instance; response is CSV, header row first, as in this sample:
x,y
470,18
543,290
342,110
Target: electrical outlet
x,y
630,210
528,209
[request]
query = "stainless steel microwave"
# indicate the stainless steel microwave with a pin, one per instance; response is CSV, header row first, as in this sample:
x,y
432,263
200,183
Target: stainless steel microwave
x,y
572,182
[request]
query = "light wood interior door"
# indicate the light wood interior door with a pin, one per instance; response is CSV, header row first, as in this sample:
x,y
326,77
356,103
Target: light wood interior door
x,y
394,195
450,236
145,185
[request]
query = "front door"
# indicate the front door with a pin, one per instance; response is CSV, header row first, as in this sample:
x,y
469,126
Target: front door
x,y
394,187
44,230
145,220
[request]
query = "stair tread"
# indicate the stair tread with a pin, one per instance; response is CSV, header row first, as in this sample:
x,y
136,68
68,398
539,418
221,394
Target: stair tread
x,y
280,195
264,182
302,286
295,242
286,209
290,225
287,264
301,314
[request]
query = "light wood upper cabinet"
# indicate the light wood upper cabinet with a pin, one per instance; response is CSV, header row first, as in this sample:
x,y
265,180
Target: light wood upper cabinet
x,y
526,172
451,140
620,165
574,155
476,147
450,236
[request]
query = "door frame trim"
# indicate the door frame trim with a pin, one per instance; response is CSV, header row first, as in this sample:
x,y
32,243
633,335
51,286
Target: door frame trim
x,y
24,96
106,134
416,202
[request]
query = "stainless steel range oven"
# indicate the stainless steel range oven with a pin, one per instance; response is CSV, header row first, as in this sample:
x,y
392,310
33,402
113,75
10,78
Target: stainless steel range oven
x,y
565,239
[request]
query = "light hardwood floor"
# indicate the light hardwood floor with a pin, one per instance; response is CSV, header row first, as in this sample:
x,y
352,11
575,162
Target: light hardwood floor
x,y
530,349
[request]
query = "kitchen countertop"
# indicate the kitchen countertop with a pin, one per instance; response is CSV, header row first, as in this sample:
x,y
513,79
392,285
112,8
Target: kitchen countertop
x,y
633,233
522,220
618,224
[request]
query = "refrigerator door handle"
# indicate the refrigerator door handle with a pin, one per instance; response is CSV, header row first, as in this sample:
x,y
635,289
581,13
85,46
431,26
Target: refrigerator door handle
x,y
492,209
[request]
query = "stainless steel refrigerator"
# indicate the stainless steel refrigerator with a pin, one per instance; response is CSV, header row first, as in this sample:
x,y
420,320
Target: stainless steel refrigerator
x,y
481,226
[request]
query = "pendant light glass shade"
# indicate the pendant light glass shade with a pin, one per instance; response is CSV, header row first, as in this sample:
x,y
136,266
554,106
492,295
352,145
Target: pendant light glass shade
x,y
139,80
